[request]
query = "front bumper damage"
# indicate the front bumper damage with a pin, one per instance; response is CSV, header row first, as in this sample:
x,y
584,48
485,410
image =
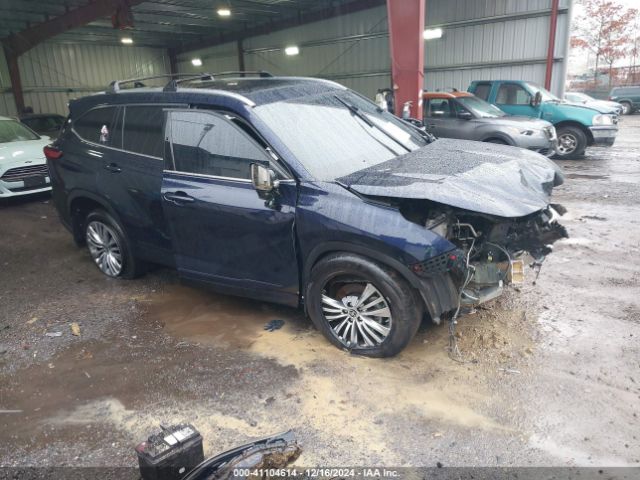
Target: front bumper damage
x,y
491,254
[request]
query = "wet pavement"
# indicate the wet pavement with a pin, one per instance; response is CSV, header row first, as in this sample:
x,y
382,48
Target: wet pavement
x,y
551,372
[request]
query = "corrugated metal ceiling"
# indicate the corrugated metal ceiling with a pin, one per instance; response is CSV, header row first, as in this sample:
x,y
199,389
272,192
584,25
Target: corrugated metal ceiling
x,y
160,23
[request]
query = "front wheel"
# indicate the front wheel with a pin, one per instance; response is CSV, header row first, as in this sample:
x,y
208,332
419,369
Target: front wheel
x,y
572,142
362,306
626,108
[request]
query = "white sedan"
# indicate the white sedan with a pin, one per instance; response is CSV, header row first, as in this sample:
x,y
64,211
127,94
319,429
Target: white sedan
x,y
23,167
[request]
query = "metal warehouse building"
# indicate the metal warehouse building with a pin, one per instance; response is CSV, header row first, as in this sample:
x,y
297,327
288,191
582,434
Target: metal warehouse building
x,y
59,50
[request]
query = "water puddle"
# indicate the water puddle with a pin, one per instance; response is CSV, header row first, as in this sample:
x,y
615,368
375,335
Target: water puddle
x,y
586,176
213,319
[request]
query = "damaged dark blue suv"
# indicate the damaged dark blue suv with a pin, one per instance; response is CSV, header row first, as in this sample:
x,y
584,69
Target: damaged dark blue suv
x,y
301,192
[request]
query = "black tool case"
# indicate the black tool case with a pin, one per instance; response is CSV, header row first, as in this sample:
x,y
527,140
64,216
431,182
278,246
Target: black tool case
x,y
170,454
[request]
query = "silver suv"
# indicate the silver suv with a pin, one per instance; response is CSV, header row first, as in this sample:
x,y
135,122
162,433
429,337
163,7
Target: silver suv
x,y
463,115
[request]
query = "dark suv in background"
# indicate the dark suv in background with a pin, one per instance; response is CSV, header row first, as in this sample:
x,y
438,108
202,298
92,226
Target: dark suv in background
x,y
628,97
301,192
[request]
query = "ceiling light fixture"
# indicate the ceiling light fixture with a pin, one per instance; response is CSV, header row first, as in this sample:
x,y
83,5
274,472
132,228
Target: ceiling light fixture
x,y
292,50
126,40
224,12
196,62
432,33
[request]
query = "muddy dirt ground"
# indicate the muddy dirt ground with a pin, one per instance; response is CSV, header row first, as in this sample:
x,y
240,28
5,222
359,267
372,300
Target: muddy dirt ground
x,y
551,373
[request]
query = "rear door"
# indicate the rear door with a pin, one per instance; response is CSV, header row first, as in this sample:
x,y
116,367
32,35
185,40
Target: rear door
x,y
223,232
131,176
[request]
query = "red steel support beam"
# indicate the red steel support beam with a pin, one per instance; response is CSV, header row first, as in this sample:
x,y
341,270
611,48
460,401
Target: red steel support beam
x,y
16,81
406,26
25,40
553,28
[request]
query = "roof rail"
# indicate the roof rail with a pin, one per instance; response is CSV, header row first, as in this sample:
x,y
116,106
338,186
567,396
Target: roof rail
x,y
173,84
116,85
177,78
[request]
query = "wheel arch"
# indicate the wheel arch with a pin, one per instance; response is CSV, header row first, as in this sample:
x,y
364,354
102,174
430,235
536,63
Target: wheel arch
x,y
329,248
572,123
80,204
498,136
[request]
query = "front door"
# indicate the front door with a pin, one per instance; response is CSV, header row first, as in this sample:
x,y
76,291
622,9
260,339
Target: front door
x,y
441,119
223,232
514,99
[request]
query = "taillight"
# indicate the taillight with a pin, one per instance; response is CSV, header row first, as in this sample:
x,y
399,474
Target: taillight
x,y
52,153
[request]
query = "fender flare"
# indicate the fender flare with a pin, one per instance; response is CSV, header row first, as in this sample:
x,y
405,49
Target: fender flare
x,y
85,194
438,294
334,247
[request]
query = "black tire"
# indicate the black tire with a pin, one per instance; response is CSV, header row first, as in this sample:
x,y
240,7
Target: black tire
x,y
572,143
627,108
497,141
130,266
345,270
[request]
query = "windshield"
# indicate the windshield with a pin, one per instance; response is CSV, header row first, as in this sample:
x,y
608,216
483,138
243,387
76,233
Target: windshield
x,y
547,96
337,133
480,108
12,131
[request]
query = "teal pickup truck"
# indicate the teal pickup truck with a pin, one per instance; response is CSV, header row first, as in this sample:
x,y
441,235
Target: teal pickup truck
x,y
577,126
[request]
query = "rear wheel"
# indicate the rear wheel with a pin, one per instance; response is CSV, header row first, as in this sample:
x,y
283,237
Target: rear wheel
x,y
109,247
626,108
572,142
362,306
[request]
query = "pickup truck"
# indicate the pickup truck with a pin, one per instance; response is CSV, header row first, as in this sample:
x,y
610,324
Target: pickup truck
x,y
577,126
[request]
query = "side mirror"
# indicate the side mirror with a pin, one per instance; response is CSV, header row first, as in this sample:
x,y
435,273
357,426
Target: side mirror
x,y
263,178
537,99
465,115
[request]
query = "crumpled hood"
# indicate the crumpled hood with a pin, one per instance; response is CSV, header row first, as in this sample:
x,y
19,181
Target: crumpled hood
x,y
482,177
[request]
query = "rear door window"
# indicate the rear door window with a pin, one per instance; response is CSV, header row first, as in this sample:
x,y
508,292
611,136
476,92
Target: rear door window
x,y
143,130
96,125
210,144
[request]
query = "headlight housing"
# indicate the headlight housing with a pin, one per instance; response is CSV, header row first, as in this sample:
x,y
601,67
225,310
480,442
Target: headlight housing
x,y
602,119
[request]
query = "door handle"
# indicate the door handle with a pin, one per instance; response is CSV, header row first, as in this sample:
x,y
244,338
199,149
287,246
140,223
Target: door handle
x,y
113,168
178,198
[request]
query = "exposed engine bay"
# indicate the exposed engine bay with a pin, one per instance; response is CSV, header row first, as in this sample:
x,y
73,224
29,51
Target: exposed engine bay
x,y
491,251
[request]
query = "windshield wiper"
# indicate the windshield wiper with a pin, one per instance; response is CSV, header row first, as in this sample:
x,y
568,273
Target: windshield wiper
x,y
356,111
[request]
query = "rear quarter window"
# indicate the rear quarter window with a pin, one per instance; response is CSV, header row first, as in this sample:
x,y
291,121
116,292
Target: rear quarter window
x,y
96,125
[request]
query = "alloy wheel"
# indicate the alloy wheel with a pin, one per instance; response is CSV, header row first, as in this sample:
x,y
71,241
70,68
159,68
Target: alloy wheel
x,y
104,248
567,143
357,313
626,108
